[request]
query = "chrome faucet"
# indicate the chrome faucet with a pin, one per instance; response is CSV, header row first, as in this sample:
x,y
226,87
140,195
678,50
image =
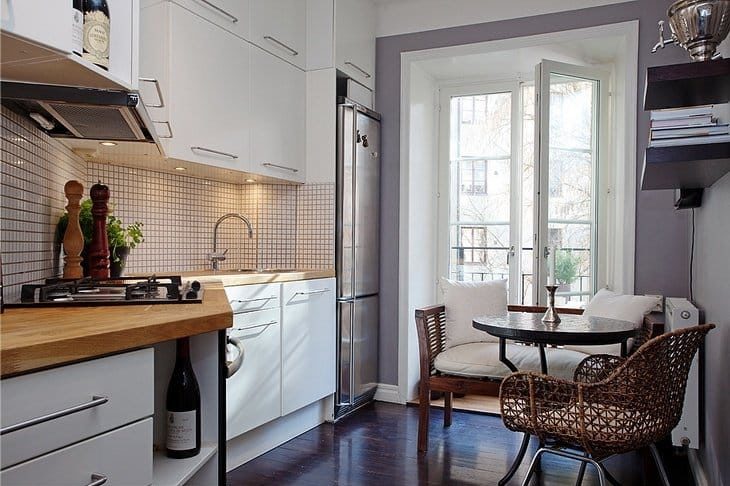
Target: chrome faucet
x,y
216,257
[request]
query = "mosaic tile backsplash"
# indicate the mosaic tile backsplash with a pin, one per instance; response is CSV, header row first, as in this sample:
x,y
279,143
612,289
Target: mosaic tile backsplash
x,y
293,226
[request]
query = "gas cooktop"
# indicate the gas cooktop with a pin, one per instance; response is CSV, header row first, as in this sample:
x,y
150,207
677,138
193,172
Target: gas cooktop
x,y
116,291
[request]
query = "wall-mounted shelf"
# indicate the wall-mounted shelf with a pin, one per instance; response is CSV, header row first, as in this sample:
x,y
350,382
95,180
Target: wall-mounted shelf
x,y
688,84
685,166
677,86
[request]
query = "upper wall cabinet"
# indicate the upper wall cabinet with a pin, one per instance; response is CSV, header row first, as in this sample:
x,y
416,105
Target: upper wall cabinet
x,y
278,118
279,27
355,40
202,104
231,15
36,45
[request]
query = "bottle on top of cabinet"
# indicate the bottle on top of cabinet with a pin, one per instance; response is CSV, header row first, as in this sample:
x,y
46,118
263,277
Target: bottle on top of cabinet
x,y
77,27
96,37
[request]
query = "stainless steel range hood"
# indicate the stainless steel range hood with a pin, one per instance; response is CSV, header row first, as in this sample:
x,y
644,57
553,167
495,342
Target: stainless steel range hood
x,y
70,112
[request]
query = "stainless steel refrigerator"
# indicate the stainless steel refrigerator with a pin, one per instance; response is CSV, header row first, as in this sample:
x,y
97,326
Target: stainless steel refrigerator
x,y
357,254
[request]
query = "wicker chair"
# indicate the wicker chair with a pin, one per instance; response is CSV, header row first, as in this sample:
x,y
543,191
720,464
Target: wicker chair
x,y
430,324
614,405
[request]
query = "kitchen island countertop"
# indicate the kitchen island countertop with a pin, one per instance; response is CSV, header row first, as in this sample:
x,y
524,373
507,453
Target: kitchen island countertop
x,y
40,337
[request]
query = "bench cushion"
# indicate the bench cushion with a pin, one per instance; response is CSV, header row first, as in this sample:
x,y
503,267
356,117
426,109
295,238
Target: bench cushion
x,y
482,360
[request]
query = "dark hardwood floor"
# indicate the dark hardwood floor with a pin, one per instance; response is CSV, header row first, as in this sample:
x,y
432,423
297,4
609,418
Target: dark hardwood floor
x,y
377,446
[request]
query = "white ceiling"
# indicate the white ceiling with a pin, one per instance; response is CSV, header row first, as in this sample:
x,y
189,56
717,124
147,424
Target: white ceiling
x,y
404,16
520,63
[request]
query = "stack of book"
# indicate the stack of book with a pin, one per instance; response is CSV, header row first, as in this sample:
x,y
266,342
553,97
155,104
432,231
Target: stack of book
x,y
686,126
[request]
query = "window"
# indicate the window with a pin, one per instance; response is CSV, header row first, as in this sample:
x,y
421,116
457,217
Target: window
x,y
506,212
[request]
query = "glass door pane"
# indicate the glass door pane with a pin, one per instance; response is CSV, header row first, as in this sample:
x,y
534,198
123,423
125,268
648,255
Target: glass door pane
x,y
480,163
568,169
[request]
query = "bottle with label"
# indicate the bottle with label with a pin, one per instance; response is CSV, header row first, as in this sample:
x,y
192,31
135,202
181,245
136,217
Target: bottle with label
x,y
77,27
96,32
183,406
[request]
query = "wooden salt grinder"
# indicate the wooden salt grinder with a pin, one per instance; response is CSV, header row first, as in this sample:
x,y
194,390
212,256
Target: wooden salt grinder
x,y
99,249
73,239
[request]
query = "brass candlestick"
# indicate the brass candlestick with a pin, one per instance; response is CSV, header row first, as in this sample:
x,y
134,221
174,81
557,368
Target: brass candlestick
x,y
551,316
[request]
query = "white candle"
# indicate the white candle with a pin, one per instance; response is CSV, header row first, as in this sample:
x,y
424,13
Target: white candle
x,y
551,266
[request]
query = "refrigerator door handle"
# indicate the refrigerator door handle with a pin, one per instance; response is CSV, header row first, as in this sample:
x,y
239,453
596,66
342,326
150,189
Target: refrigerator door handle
x,y
353,393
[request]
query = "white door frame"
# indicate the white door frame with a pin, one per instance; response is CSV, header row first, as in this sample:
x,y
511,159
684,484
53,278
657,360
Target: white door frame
x,y
624,190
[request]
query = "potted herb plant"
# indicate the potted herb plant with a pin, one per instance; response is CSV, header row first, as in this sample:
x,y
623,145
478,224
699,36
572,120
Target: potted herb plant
x,y
121,238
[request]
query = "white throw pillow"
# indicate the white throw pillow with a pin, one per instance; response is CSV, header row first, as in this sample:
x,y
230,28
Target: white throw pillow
x,y
631,308
466,300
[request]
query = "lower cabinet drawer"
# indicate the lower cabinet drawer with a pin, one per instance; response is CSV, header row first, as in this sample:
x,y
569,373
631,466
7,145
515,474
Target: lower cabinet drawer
x,y
76,395
123,457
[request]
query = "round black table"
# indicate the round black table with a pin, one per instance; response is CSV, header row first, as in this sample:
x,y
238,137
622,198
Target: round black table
x,y
573,329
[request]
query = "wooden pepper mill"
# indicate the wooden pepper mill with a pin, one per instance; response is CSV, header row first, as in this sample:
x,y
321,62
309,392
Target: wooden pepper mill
x,y
73,239
99,249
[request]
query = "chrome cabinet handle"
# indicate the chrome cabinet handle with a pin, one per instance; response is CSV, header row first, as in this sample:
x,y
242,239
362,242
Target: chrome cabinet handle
x,y
215,7
96,400
243,301
253,326
313,292
217,152
97,480
267,164
233,365
276,41
364,73
159,92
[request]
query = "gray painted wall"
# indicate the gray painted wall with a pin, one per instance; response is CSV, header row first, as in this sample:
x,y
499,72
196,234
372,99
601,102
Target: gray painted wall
x,y
662,247
712,294
661,243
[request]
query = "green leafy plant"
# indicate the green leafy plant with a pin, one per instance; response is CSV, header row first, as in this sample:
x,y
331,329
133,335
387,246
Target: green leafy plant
x,y
566,266
119,236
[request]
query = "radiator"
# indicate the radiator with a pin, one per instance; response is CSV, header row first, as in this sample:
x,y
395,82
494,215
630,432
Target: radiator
x,y
681,313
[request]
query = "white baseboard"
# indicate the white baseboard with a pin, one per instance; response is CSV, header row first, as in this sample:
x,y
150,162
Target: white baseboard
x,y
388,393
698,473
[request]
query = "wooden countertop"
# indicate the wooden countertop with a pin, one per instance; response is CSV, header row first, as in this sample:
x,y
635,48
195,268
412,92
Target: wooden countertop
x,y
232,278
34,338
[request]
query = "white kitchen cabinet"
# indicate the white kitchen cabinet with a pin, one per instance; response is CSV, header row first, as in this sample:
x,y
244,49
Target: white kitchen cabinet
x,y
253,393
203,73
248,298
279,26
122,456
308,342
37,47
231,15
278,105
118,390
355,40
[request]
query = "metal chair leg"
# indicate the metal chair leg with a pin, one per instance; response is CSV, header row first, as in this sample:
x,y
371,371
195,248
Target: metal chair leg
x,y
585,460
659,464
533,465
517,461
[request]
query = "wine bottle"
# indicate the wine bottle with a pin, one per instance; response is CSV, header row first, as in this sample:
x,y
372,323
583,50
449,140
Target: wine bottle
x,y
183,406
77,27
96,32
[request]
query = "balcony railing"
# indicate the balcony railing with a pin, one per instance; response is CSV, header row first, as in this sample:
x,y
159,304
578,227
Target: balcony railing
x,y
460,270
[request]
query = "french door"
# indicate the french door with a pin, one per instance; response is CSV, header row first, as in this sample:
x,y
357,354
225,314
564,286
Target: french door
x,y
570,138
521,171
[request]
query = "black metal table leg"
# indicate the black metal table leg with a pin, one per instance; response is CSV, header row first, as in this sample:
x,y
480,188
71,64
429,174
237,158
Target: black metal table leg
x,y
503,355
518,460
543,360
624,348
526,438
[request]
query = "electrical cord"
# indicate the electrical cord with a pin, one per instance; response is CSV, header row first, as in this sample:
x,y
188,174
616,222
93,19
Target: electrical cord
x,y
692,259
